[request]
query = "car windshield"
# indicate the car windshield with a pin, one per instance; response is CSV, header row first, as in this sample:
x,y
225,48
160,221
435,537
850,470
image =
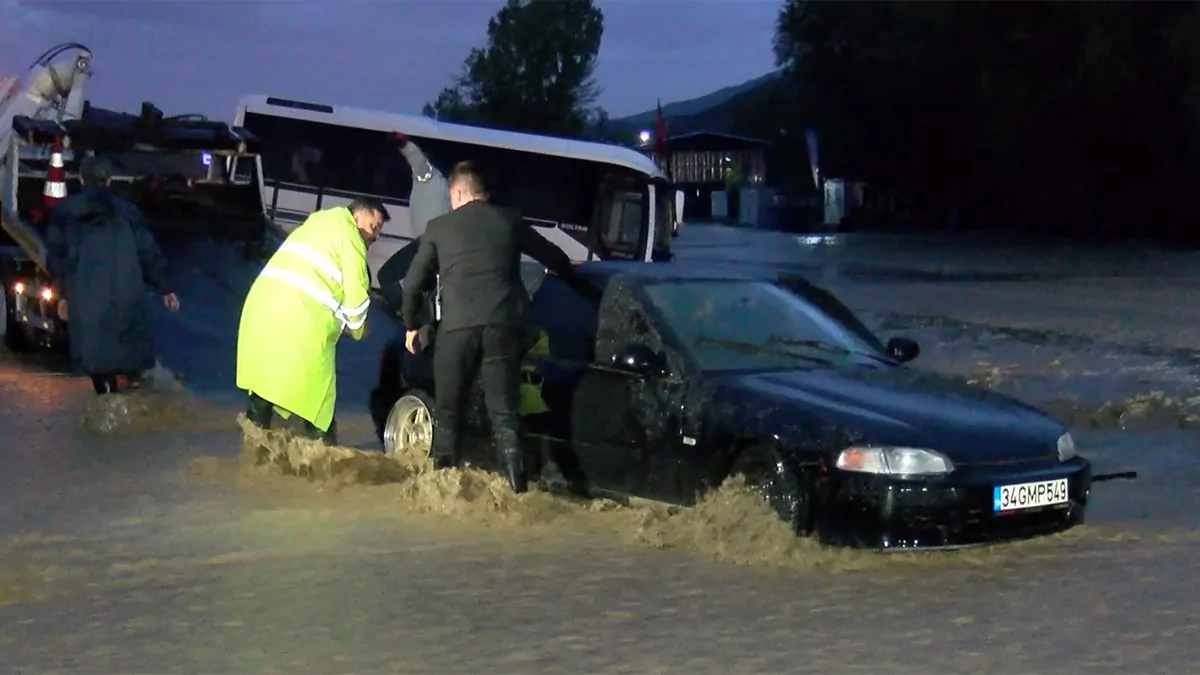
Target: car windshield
x,y
752,325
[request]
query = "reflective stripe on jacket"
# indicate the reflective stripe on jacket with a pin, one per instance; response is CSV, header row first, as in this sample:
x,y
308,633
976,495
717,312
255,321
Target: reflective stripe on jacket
x,y
312,290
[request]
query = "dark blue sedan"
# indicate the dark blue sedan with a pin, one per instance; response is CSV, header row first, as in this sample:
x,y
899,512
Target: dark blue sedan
x,y
683,377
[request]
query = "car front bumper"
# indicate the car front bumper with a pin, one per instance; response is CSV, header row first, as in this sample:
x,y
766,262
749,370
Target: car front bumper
x,y
865,510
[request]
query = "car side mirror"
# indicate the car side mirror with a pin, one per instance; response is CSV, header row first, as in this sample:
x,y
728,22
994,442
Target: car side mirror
x,y
639,358
903,349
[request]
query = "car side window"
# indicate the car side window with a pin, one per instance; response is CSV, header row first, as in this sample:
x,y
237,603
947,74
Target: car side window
x,y
532,275
568,319
623,319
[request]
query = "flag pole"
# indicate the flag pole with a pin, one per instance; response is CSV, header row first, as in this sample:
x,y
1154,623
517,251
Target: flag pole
x,y
660,142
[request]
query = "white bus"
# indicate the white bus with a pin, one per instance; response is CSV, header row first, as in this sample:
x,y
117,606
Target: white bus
x,y
595,201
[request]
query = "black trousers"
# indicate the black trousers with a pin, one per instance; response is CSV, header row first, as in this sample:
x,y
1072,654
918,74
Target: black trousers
x,y
493,353
108,382
104,383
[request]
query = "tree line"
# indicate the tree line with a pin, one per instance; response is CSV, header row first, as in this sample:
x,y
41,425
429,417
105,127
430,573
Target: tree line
x,y
536,73
1078,117
1068,117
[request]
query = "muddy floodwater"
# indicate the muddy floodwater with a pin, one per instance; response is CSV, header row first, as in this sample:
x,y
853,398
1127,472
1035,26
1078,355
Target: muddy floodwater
x,y
166,544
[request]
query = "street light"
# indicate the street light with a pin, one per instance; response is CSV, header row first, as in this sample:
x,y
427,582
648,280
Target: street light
x,y
644,137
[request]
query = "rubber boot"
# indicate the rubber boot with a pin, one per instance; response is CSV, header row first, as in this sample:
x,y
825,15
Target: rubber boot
x,y
259,411
104,383
514,469
508,443
328,437
444,452
514,463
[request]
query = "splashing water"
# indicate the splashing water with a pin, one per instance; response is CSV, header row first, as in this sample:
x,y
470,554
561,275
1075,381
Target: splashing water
x,y
160,403
732,524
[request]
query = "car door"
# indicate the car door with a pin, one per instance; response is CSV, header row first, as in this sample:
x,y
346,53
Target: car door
x,y
625,426
569,321
533,276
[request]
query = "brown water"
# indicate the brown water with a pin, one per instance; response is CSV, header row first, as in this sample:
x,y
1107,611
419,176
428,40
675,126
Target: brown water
x,y
140,411
1152,410
733,524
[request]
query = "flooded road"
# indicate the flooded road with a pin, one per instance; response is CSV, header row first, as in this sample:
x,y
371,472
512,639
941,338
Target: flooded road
x,y
157,551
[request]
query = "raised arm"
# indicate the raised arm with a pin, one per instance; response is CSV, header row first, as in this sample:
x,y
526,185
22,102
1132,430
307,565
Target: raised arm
x,y
422,168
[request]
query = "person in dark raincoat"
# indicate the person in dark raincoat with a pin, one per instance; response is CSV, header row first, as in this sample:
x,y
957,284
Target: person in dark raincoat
x,y
102,256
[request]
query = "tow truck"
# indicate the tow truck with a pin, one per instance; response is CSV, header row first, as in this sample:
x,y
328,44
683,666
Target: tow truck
x,y
190,176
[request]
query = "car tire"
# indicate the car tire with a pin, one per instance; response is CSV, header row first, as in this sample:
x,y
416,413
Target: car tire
x,y
60,342
778,483
409,423
387,390
15,337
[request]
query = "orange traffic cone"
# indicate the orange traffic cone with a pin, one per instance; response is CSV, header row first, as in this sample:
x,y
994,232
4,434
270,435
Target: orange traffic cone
x,y
56,177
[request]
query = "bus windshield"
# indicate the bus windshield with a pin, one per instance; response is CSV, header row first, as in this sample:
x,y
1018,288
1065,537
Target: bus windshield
x,y
664,218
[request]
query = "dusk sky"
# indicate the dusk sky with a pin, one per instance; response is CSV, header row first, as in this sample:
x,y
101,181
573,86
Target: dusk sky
x,y
202,55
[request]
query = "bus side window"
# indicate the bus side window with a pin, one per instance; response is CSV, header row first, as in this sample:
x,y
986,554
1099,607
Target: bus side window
x,y
293,151
347,159
374,165
547,189
500,175
390,176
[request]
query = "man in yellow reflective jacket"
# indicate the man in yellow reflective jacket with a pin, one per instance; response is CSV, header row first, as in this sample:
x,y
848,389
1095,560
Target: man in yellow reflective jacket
x,y
311,291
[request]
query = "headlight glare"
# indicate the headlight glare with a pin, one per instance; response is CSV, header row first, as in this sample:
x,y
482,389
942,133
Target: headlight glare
x,y
1066,448
894,461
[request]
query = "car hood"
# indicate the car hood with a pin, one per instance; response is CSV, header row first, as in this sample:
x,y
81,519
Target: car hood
x,y
898,406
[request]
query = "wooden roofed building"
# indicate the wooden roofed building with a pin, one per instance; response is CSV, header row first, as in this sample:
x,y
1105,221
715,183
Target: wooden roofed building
x,y
704,162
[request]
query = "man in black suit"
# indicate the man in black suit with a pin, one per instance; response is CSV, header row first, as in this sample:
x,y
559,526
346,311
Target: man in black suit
x,y
485,313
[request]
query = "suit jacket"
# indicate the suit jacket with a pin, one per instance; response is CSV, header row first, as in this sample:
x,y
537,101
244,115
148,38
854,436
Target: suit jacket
x,y
477,251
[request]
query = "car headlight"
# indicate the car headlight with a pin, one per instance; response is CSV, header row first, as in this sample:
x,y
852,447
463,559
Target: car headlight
x,y
894,461
1066,448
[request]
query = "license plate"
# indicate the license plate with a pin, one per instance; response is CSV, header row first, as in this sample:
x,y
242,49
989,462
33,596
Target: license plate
x,y
1007,498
